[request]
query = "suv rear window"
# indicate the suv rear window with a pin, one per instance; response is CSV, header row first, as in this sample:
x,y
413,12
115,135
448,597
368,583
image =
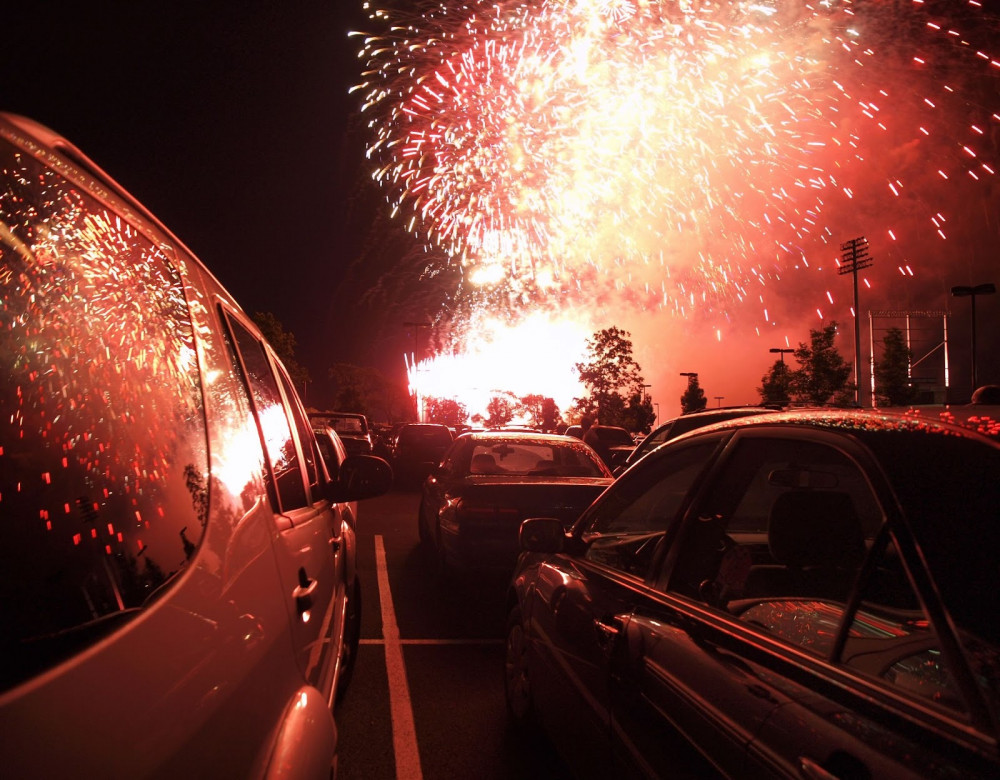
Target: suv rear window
x,y
103,465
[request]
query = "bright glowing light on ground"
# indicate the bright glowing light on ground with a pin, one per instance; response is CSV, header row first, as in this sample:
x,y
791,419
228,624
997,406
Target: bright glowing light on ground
x,y
536,356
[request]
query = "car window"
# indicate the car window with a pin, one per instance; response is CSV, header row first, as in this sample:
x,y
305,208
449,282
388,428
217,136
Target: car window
x,y
103,447
622,529
272,421
527,458
304,430
781,519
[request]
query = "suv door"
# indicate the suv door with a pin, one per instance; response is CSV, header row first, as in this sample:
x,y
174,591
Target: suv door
x,y
310,539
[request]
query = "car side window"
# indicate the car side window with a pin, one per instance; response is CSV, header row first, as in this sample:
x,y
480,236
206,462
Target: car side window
x,y
892,639
307,439
272,421
103,446
624,528
782,519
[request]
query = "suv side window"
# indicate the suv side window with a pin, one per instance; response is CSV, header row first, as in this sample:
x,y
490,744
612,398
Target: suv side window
x,y
272,421
103,447
306,437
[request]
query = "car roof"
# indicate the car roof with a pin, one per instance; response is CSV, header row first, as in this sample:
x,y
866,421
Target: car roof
x,y
862,422
496,434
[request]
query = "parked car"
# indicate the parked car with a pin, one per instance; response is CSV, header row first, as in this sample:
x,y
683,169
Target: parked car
x,y
178,591
472,505
671,429
352,429
416,449
616,442
808,594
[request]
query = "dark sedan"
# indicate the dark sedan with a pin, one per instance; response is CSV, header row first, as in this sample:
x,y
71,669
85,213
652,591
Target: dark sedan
x,y
416,449
472,505
671,429
786,595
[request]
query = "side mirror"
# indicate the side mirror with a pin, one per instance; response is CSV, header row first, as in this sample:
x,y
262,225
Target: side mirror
x,y
542,535
361,477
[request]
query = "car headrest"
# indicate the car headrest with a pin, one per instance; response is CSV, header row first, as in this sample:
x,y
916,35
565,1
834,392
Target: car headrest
x,y
815,528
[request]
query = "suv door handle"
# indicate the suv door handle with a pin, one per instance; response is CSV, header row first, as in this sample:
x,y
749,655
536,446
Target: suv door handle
x,y
304,592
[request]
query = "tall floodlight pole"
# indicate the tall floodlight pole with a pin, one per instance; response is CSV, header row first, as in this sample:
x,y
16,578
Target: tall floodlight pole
x,y
855,258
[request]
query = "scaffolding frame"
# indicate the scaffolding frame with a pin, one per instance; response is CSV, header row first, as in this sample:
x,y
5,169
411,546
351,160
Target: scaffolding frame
x,y
921,345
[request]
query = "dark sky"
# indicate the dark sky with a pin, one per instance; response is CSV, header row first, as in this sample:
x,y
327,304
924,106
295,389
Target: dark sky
x,y
232,122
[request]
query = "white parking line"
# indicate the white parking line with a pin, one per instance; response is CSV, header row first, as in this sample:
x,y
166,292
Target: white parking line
x,y
404,734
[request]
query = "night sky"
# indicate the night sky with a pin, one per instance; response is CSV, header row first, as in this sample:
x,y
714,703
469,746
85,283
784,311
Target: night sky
x,y
233,123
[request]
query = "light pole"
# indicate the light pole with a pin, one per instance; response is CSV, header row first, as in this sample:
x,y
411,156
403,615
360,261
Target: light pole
x,y
657,414
718,400
781,352
962,291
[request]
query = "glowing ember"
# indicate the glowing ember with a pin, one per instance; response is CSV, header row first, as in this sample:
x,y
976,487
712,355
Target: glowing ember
x,y
536,356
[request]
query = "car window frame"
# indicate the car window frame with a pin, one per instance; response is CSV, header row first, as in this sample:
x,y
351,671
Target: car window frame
x,y
585,537
894,527
229,317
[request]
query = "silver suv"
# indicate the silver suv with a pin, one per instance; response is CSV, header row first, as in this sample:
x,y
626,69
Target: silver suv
x,y
178,592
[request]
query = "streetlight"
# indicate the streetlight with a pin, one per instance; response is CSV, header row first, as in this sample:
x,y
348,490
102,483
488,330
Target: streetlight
x,y
963,291
657,413
718,400
644,388
781,352
691,375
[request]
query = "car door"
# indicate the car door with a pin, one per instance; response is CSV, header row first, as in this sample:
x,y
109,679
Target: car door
x,y
701,659
582,602
891,701
309,540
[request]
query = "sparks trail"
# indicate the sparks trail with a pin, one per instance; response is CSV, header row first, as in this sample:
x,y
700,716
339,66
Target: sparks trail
x,y
687,148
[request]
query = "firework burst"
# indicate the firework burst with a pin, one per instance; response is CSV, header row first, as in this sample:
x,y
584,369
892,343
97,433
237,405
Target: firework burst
x,y
704,159
687,149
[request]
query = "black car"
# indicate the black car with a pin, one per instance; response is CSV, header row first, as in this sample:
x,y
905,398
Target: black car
x,y
671,429
416,449
473,503
352,428
808,594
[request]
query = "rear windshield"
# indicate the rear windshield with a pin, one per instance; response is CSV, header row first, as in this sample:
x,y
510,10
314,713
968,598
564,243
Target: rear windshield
x,y
351,425
534,459
103,465
431,436
952,503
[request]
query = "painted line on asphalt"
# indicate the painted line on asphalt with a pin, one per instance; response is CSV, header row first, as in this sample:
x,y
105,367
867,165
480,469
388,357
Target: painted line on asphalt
x,y
404,733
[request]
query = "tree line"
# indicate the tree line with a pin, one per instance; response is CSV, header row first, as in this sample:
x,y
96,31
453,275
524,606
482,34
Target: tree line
x,y
615,392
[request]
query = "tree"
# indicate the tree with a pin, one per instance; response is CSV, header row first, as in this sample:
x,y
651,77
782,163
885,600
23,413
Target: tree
x,y
893,386
776,385
639,415
446,411
500,410
542,412
611,376
283,343
823,373
693,399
